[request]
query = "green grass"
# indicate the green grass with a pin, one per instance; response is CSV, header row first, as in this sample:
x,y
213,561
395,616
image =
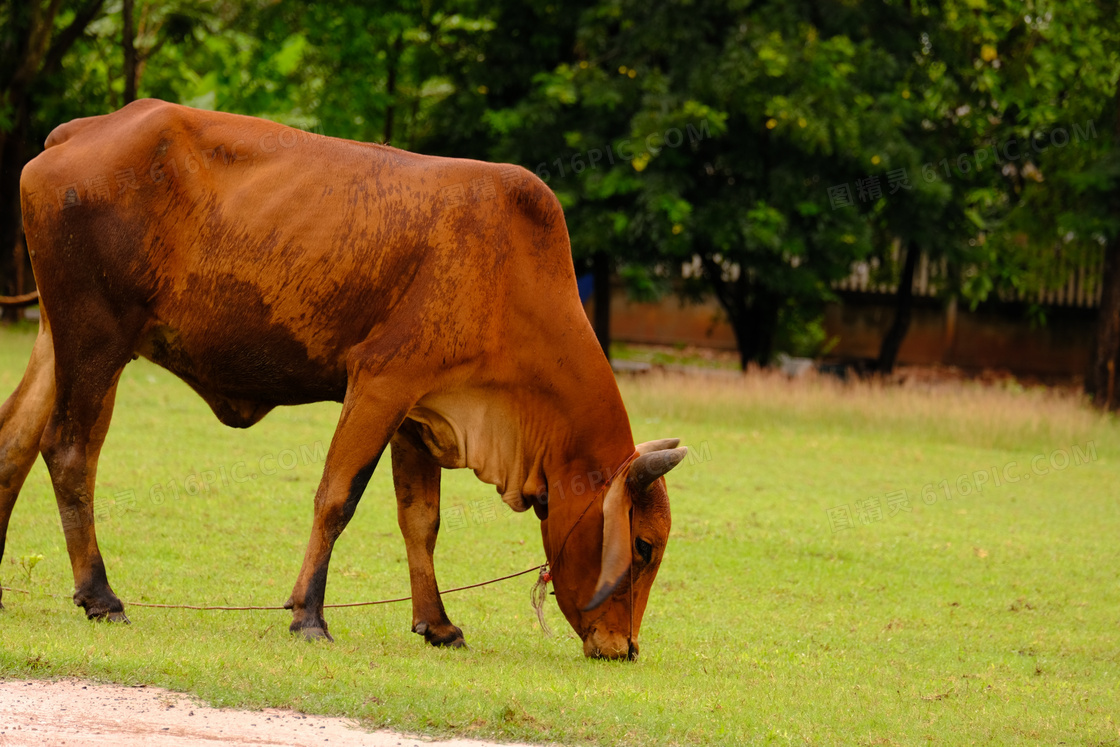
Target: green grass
x,y
987,619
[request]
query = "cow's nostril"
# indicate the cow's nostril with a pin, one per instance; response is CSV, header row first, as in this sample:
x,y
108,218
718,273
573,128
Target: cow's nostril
x,y
600,645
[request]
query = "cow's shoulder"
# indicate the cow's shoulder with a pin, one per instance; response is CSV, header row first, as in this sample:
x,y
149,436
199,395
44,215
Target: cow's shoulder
x,y
536,220
78,149
521,196
121,120
534,197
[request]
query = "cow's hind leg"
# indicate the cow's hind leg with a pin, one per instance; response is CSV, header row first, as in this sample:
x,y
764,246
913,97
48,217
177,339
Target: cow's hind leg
x,y
22,419
371,413
89,366
416,479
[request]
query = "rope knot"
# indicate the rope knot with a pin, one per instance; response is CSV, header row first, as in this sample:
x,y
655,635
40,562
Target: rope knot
x,y
539,593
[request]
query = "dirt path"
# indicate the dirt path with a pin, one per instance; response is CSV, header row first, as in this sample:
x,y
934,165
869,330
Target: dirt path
x,y
72,712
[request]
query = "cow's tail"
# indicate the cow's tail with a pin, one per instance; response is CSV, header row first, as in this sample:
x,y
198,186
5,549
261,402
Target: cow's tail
x,y
23,417
18,302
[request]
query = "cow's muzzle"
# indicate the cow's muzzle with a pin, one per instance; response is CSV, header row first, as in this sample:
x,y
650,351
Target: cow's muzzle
x,y
606,646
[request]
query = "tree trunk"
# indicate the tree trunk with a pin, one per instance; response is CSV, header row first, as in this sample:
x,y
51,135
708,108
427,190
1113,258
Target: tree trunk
x,y
738,316
1101,382
128,43
904,303
741,328
753,320
12,158
601,293
765,325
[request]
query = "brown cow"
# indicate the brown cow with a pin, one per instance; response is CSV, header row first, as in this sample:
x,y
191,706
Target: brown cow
x,y
434,298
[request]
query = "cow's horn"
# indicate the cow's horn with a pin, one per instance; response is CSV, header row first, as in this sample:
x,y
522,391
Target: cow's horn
x,y
660,445
616,542
649,467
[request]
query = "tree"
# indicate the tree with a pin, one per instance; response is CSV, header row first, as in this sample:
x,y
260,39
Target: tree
x,y
1053,86
371,72
35,36
713,134
159,23
931,92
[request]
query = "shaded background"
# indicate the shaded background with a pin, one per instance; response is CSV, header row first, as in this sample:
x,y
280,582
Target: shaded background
x,y
764,158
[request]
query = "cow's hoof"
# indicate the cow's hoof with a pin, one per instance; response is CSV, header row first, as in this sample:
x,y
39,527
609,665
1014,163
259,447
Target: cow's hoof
x,y
311,632
457,642
446,636
316,634
104,615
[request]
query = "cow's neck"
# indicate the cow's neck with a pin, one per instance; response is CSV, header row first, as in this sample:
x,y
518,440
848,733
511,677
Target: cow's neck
x,y
526,442
594,439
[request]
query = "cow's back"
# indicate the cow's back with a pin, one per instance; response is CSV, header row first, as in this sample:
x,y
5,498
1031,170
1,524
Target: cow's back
x,y
251,257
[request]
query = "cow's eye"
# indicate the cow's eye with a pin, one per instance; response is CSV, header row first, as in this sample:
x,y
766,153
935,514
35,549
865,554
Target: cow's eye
x,y
644,549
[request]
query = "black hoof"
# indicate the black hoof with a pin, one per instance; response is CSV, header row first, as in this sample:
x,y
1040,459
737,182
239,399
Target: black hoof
x,y
316,634
311,631
108,611
449,637
106,616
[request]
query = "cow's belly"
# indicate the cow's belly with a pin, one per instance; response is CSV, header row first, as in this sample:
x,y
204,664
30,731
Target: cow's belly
x,y
242,375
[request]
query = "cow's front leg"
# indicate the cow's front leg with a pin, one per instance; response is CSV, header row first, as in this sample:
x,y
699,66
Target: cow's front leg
x,y
369,418
416,479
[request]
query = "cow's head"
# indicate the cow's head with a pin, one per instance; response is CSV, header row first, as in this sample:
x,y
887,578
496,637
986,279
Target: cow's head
x,y
601,547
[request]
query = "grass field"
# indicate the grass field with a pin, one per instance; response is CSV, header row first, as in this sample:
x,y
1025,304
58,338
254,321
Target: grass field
x,y
986,618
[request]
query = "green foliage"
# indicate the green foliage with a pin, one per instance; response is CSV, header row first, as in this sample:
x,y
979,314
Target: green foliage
x,y
702,134
1036,72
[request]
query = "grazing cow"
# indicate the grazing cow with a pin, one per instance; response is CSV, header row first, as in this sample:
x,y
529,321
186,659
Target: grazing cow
x,y
434,298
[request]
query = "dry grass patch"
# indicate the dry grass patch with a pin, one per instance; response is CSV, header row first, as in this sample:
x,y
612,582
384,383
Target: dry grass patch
x,y
1000,416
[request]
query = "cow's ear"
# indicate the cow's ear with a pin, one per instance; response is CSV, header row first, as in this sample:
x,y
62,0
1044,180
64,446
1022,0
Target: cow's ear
x,y
659,445
616,542
648,467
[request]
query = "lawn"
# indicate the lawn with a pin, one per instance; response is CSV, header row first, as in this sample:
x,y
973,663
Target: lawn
x,y
834,575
